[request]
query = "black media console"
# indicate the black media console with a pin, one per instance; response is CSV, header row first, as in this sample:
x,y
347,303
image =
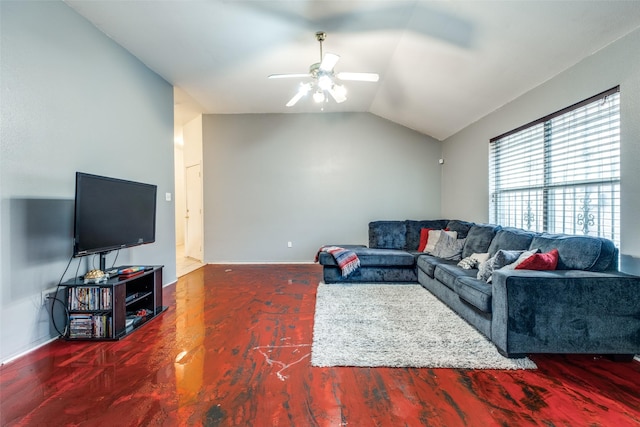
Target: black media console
x,y
113,309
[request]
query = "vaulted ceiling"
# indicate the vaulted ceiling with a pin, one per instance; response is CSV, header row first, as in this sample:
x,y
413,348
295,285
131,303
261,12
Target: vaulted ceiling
x,y
443,64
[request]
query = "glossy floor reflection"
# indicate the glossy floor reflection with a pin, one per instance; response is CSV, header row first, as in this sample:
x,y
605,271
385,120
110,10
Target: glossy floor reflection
x,y
234,350
185,264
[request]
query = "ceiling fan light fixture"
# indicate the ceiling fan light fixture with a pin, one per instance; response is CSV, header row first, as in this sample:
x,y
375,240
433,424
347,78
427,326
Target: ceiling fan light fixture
x,y
325,82
318,96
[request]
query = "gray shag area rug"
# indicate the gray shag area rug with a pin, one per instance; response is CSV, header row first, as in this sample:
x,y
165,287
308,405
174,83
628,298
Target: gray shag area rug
x,y
378,325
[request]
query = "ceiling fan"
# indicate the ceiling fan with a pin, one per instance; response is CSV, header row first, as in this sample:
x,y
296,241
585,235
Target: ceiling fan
x,y
324,78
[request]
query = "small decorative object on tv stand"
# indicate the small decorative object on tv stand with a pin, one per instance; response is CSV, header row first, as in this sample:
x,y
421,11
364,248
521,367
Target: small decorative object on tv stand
x,y
95,276
112,309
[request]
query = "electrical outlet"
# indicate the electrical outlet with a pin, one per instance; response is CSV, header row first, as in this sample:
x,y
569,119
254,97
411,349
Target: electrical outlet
x,y
289,244
48,295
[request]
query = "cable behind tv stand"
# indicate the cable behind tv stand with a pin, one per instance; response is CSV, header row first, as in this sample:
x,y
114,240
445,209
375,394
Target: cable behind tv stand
x,y
113,309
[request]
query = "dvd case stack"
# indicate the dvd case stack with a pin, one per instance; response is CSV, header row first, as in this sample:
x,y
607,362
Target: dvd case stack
x,y
81,326
89,298
89,326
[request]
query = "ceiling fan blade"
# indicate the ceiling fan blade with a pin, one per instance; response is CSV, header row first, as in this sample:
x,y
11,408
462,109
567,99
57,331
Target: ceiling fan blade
x,y
302,91
295,99
362,77
338,93
288,76
329,61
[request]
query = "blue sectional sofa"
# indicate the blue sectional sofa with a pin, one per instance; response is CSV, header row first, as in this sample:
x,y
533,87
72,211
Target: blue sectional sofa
x,y
584,306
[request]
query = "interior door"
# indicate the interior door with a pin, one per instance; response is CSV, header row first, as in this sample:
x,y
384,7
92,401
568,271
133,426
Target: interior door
x,y
194,228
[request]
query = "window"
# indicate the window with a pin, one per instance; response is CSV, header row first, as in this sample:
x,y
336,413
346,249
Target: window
x,y
561,173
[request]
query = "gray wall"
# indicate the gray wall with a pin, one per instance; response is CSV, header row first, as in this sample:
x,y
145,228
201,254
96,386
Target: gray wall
x,y
465,173
311,179
72,100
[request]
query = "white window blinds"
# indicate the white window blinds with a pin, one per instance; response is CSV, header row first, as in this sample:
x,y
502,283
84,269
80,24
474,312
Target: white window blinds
x,y
561,173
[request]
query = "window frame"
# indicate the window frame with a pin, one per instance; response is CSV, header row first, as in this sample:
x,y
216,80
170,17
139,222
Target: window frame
x,y
536,133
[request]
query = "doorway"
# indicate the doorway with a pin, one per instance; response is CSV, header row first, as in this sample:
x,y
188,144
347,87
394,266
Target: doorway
x,y
188,171
189,220
193,217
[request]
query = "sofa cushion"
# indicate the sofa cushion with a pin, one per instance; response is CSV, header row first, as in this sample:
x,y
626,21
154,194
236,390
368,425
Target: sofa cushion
x,y
579,252
447,274
461,227
479,238
371,275
475,292
511,239
375,258
428,264
387,234
413,229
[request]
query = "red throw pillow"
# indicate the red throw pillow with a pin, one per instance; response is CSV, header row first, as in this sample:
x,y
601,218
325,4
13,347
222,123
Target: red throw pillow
x,y
424,236
546,261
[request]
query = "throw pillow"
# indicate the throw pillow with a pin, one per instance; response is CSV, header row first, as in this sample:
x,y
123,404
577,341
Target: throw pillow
x,y
424,237
468,263
545,261
480,257
434,236
496,262
473,261
448,247
525,255
485,269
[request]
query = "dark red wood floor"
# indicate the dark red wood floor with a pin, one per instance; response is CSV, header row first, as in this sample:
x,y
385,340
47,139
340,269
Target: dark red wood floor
x,y
234,350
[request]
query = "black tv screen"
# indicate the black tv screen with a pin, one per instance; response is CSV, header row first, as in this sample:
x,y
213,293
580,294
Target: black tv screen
x,y
112,214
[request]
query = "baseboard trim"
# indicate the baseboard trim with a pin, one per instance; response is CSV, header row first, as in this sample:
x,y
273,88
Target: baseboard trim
x,y
25,352
170,283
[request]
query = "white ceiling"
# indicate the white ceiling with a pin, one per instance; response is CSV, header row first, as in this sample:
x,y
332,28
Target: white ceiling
x,y
443,64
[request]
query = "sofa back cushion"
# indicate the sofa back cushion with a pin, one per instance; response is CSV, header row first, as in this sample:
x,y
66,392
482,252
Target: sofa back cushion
x,y
511,239
479,238
388,234
413,231
579,252
460,227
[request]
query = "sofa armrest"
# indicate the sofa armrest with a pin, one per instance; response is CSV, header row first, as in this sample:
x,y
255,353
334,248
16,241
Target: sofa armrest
x,y
565,311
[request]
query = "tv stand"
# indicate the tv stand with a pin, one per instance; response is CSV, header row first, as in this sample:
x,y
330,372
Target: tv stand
x,y
113,309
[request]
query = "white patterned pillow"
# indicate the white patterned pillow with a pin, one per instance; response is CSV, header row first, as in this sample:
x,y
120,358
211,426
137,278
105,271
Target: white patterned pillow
x,y
473,261
468,263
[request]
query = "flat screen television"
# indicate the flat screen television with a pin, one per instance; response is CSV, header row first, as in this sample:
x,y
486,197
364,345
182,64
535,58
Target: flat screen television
x,y
112,214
